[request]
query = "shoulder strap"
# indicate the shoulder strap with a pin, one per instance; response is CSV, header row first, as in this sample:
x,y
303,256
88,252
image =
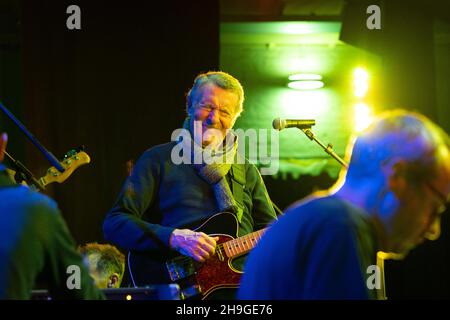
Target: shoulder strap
x,y
237,185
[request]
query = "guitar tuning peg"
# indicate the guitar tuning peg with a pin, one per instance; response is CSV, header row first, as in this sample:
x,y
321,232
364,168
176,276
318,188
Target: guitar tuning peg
x,y
70,154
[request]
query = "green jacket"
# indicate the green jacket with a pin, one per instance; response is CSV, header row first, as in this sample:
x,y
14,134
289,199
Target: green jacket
x,y
160,196
36,246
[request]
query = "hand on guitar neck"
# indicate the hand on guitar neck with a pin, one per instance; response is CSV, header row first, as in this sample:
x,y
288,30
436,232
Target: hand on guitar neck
x,y
197,245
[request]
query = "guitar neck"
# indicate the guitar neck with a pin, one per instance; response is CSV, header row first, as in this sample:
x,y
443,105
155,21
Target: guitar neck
x,y
242,245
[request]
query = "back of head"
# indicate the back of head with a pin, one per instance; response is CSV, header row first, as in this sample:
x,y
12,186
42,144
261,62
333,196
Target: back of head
x,y
400,134
220,79
104,261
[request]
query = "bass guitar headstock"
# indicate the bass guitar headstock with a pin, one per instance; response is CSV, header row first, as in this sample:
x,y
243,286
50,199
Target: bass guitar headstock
x,y
71,161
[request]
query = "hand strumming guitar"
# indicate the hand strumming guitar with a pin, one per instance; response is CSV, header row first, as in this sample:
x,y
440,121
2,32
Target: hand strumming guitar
x,y
197,245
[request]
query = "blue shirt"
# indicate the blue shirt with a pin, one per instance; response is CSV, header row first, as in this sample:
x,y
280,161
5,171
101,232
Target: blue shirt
x,y
35,245
318,250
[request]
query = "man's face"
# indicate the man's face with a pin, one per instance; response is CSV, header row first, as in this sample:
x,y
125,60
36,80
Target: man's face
x,y
91,261
419,215
216,109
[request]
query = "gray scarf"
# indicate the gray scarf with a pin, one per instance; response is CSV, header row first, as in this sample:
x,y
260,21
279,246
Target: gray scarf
x,y
215,169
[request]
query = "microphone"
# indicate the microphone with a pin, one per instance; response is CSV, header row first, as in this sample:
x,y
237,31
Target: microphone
x,y
280,124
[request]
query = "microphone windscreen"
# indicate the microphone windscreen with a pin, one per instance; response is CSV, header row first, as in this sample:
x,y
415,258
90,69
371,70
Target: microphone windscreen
x,y
278,124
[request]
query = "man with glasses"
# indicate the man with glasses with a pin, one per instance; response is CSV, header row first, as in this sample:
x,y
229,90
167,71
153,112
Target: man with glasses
x,y
389,200
163,201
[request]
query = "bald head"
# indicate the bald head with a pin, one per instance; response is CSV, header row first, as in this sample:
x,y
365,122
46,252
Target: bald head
x,y
401,135
399,173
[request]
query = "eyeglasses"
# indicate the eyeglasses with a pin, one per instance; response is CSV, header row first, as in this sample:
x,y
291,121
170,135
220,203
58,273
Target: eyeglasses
x,y
440,195
208,108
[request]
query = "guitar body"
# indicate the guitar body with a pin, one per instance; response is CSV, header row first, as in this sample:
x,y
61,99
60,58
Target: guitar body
x,y
207,279
217,274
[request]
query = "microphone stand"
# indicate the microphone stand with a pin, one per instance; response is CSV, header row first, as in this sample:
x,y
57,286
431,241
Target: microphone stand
x,y
328,149
22,173
50,157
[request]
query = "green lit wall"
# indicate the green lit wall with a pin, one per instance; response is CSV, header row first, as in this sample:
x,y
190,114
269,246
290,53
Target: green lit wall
x,y
442,54
263,54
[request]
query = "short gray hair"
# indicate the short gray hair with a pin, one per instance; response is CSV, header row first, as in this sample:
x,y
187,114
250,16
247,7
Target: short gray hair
x,y
220,79
111,259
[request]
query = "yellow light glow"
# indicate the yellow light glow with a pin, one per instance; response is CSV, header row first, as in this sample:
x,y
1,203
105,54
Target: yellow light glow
x,y
128,297
363,116
360,82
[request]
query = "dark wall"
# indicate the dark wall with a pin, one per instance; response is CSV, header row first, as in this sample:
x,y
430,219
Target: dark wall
x,y
405,46
11,89
116,86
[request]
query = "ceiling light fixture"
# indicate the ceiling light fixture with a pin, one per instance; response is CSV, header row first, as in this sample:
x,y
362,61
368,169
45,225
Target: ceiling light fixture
x,y
305,76
306,85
